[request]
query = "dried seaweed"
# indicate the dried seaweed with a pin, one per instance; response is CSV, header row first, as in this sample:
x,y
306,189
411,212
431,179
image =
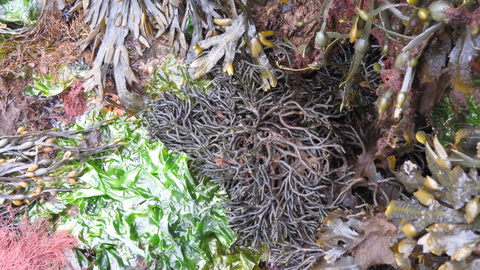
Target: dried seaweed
x,y
453,240
336,237
51,43
373,248
366,237
292,257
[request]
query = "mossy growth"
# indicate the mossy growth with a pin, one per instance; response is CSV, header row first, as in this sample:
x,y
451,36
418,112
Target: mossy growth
x,y
449,117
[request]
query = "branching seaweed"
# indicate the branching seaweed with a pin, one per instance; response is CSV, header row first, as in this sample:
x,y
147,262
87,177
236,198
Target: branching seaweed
x,y
278,154
51,43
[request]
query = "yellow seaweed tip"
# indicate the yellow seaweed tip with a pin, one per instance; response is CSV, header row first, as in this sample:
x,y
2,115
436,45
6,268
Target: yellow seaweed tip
x,y
198,49
389,210
223,22
401,98
256,47
266,42
32,168
425,197
421,136
267,33
364,15
383,105
17,202
472,209
431,183
263,38
392,160
409,230
21,130
229,69
354,32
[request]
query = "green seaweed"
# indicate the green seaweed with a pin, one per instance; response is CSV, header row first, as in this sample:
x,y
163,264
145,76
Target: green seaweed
x,y
448,118
140,206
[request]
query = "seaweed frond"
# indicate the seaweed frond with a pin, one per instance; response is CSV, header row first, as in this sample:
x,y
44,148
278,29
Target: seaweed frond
x,y
448,202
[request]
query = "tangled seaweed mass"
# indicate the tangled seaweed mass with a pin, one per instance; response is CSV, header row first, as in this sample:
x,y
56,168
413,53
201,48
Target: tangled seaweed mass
x,y
277,154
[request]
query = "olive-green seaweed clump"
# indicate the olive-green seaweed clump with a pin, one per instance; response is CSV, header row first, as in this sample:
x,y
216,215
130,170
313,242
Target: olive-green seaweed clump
x,y
37,164
444,217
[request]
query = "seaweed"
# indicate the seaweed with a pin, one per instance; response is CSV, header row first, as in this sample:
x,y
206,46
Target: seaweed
x,y
277,154
49,44
35,164
450,116
460,57
448,203
111,23
230,35
223,45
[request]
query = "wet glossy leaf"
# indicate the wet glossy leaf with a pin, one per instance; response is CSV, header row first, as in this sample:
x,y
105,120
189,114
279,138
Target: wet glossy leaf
x,y
51,85
461,265
438,166
335,237
460,57
449,239
233,258
422,216
143,203
410,176
347,262
453,223
458,187
434,59
20,12
463,188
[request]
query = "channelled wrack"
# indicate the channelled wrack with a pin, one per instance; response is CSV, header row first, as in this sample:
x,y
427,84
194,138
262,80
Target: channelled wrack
x,y
278,154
